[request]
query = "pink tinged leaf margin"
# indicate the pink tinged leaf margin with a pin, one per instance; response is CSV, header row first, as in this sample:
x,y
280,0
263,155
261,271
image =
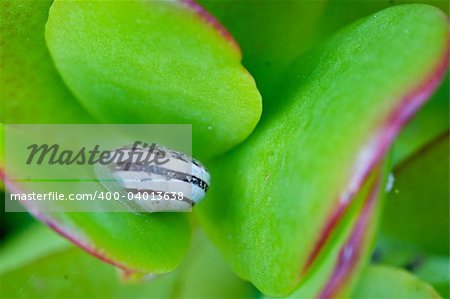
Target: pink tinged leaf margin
x,y
370,156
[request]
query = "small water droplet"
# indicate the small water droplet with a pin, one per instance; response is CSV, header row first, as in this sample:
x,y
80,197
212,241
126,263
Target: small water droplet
x,y
390,183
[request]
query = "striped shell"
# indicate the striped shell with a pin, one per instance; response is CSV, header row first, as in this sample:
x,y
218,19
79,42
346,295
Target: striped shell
x,y
134,180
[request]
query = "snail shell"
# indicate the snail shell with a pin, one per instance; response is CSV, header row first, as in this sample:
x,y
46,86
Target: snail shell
x,y
135,180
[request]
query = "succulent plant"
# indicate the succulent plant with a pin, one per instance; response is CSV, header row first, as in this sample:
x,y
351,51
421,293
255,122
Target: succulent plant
x,y
300,111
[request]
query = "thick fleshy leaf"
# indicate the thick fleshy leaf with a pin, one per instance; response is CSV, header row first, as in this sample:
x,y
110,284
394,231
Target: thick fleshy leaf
x,y
204,274
140,243
415,219
28,246
436,271
391,283
35,93
30,87
442,4
286,189
30,268
155,62
274,33
428,124
335,275
339,13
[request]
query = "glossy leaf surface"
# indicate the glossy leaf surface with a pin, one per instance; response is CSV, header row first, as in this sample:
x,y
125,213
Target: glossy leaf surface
x,y
426,126
140,243
391,283
286,188
30,87
57,269
155,62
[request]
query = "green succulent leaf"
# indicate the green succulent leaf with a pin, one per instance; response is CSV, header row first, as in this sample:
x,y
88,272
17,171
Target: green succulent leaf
x,y
337,268
428,124
274,33
442,4
142,243
391,283
57,269
134,243
30,87
436,271
339,13
285,190
155,62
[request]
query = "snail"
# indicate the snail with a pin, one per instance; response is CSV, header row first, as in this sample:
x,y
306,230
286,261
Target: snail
x,y
153,178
